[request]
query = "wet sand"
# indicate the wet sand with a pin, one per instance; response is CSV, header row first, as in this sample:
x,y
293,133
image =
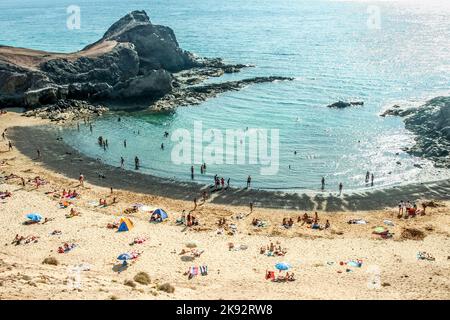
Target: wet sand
x,y
60,157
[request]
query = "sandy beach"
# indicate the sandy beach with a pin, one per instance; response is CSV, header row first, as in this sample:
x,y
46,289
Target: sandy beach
x,y
322,260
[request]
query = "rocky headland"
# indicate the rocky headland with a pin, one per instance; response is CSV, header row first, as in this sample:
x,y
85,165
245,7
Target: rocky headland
x,y
135,60
431,125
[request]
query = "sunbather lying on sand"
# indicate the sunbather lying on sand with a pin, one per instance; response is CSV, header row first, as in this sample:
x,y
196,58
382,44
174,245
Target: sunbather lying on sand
x,y
114,225
73,213
287,223
26,240
138,240
12,176
66,247
47,220
133,209
287,277
4,195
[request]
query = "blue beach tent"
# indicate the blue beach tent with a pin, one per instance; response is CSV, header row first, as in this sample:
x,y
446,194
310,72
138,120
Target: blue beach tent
x,y
161,213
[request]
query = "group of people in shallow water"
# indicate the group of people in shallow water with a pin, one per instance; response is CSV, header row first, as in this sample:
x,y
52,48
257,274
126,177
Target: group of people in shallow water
x,y
219,183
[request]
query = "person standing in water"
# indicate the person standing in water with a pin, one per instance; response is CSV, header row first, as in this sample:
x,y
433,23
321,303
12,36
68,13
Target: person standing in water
x,y
136,163
341,186
228,183
124,143
78,126
38,153
371,178
90,127
192,172
122,162
162,146
323,183
367,176
249,181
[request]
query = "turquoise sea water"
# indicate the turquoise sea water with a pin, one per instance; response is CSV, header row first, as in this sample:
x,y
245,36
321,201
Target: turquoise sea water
x,y
326,45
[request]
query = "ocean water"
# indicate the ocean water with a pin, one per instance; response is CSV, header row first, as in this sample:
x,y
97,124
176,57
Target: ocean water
x,y
327,46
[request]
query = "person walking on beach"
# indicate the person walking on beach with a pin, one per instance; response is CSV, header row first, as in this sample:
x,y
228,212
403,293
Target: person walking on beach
x,y
3,135
371,178
251,206
249,181
81,179
10,146
136,163
341,186
122,162
195,203
323,183
38,153
192,172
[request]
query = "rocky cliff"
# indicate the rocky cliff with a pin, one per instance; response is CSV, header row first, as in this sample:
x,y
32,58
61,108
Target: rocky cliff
x,y
134,59
431,124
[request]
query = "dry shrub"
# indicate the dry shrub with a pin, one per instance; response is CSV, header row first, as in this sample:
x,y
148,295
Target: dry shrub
x,y
50,260
130,283
166,287
142,278
432,204
412,234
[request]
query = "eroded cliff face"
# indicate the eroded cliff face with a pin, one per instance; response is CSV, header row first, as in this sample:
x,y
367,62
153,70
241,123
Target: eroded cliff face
x,y
135,60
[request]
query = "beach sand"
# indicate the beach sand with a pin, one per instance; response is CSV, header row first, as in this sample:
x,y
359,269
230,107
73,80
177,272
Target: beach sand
x,y
390,268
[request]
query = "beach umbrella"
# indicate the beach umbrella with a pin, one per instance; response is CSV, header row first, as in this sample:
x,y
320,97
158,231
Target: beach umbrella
x,y
283,266
34,217
124,256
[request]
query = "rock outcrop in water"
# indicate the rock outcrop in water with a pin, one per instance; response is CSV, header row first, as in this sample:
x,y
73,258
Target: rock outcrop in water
x,y
431,124
342,104
135,59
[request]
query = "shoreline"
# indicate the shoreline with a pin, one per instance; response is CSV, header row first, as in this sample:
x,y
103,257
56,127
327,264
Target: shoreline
x,y
56,155
314,254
